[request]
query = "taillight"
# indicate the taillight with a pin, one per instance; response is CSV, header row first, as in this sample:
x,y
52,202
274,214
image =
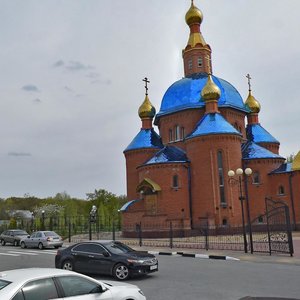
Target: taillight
x,y
49,239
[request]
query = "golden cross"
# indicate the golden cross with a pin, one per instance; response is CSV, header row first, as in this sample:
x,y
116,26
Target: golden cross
x,y
249,83
208,63
146,86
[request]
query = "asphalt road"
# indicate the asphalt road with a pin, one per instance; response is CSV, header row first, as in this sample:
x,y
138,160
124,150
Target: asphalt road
x,y
189,278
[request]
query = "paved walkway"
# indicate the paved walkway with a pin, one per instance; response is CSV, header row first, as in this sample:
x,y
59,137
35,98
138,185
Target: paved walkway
x,y
229,254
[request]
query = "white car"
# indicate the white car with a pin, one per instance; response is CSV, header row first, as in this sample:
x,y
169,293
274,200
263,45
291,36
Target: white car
x,y
50,283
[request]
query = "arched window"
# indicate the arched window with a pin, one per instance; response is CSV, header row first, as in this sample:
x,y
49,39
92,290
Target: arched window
x,y
177,133
170,135
182,133
281,190
175,181
199,62
224,222
221,177
256,177
190,64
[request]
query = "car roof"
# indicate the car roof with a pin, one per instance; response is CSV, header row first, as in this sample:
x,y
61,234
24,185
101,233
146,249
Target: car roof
x,y
26,274
104,242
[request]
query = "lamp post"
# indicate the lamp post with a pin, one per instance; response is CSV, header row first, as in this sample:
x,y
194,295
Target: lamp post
x,y
43,220
239,180
92,220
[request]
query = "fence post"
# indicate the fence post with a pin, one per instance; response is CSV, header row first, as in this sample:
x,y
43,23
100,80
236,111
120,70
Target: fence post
x,y
206,233
113,230
90,229
69,231
139,229
171,235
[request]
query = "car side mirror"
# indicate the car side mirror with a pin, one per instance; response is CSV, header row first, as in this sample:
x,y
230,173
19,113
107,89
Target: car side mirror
x,y
105,254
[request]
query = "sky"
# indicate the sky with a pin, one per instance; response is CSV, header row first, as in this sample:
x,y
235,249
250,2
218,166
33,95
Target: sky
x,y
71,81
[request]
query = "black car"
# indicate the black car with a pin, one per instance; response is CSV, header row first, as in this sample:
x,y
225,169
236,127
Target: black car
x,y
12,236
107,258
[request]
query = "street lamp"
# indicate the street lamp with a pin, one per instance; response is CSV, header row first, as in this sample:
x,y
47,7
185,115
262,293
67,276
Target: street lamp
x,y
242,177
43,220
92,220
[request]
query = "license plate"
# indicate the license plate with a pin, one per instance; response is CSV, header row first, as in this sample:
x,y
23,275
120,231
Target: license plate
x,y
153,267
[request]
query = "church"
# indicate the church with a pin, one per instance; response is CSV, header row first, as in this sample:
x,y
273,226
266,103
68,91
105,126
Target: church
x,y
211,161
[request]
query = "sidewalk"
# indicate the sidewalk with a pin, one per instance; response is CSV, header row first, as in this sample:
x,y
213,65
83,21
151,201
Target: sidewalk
x,y
232,255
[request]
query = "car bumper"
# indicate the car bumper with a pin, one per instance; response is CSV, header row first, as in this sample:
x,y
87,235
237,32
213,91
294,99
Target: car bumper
x,y
53,244
140,269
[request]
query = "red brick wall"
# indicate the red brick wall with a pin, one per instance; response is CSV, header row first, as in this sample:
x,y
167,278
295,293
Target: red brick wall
x,y
202,152
135,158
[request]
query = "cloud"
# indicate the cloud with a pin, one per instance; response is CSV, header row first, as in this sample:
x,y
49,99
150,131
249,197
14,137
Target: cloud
x,y
67,89
18,154
101,81
59,63
30,88
37,100
77,66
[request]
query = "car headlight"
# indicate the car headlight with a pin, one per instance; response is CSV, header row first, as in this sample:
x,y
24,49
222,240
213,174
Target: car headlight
x,y
141,292
135,261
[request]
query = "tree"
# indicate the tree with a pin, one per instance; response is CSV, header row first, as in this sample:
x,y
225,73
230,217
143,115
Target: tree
x,y
290,158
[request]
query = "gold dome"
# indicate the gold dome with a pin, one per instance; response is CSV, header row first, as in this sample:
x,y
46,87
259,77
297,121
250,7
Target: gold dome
x,y
296,162
252,104
210,91
147,110
193,15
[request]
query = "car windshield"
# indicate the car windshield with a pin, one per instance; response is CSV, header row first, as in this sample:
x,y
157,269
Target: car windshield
x,y
50,233
118,248
4,283
21,232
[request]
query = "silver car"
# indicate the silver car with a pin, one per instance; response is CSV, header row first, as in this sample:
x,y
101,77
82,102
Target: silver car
x,y
42,239
48,283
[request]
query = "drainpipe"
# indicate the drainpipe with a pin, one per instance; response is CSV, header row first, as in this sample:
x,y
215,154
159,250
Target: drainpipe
x,y
292,199
190,194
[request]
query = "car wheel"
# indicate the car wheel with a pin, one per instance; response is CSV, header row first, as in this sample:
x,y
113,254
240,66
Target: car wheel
x,y
16,243
40,246
23,245
2,242
121,272
67,265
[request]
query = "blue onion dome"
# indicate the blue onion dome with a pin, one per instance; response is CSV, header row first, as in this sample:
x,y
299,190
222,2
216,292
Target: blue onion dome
x,y
147,110
252,104
210,91
186,93
146,138
193,15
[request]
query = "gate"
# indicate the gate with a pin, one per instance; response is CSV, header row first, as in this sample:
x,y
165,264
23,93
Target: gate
x,y
271,232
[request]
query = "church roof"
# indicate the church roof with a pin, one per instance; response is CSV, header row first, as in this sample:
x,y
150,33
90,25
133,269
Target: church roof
x,y
256,133
186,93
169,154
146,138
213,123
251,150
284,168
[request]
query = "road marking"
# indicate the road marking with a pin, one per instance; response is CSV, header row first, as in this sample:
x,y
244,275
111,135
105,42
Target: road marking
x,y
41,252
9,254
26,253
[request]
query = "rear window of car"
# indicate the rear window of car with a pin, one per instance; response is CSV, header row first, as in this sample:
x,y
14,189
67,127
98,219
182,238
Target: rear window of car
x,y
3,283
20,232
50,233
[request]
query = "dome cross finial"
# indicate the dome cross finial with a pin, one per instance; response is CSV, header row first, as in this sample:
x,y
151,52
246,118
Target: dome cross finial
x,y
146,84
207,57
249,83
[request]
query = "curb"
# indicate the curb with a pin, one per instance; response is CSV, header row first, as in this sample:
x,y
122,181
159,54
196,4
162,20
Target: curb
x,y
203,256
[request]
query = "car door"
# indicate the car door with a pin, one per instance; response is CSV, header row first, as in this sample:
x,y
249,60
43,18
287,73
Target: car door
x,y
10,237
81,257
99,260
30,241
80,288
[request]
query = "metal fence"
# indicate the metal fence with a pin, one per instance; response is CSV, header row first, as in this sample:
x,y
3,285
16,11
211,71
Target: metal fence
x,y
166,234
